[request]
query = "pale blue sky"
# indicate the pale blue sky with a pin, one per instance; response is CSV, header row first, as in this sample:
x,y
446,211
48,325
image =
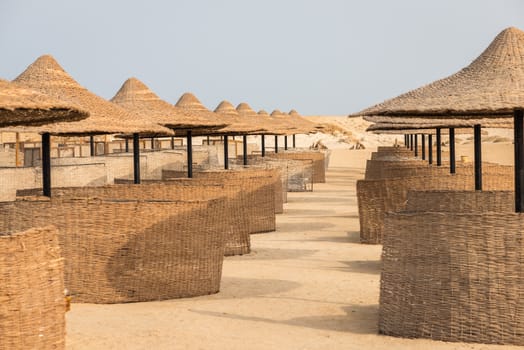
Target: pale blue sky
x,y
319,57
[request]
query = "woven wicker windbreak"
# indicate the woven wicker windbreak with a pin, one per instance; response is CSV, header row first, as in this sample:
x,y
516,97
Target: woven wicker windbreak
x,y
22,106
297,175
32,304
47,76
377,197
120,250
491,86
318,158
453,277
233,220
258,185
137,98
460,201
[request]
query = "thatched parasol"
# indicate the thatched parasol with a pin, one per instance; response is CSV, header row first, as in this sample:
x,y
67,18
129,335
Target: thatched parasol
x,y
22,106
47,76
137,98
490,87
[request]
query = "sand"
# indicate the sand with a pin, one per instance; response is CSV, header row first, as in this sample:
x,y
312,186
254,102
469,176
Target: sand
x,y
309,285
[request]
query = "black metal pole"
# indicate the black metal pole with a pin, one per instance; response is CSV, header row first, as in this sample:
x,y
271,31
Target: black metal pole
x,y
263,145
452,150
46,164
439,148
244,148
423,141
294,143
430,149
285,143
189,138
416,145
136,158
407,141
172,142
276,143
127,145
152,143
92,146
518,120
478,156
411,142
226,153
208,141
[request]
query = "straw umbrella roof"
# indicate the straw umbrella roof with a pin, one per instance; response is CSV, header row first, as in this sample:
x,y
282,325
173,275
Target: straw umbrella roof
x,y
490,87
137,98
379,128
282,123
47,76
502,123
245,111
238,124
303,124
23,106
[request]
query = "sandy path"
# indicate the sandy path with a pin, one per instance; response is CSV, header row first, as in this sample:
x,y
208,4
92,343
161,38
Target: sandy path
x,y
310,285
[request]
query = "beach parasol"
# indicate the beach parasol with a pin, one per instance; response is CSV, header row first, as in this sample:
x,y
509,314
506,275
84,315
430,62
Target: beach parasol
x,y
47,76
490,87
21,106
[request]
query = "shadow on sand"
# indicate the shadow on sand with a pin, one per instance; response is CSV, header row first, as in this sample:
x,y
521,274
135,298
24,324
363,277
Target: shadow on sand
x,y
358,319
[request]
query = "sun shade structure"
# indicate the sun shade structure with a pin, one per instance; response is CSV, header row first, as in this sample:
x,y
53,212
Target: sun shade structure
x,y
47,76
137,98
238,126
490,87
23,106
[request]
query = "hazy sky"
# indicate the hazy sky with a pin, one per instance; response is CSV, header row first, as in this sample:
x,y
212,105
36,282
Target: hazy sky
x,y
319,57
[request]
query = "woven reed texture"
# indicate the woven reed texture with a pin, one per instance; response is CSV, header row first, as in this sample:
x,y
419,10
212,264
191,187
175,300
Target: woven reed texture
x,y
377,197
32,304
453,277
460,201
297,174
137,98
318,158
22,106
119,251
239,125
423,126
233,220
490,86
47,76
258,186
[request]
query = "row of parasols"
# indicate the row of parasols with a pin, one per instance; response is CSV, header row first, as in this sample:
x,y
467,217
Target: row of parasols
x,y
126,242
452,233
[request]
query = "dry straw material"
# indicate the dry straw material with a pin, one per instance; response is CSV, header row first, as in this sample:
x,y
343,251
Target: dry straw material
x,y
259,186
32,304
453,277
23,106
119,250
377,197
318,159
238,125
460,201
47,76
137,98
490,87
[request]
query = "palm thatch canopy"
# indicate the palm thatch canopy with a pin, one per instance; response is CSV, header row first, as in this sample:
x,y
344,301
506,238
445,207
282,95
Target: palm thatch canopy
x,y
137,98
458,131
420,128
304,125
502,123
490,87
239,125
23,106
282,124
47,76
